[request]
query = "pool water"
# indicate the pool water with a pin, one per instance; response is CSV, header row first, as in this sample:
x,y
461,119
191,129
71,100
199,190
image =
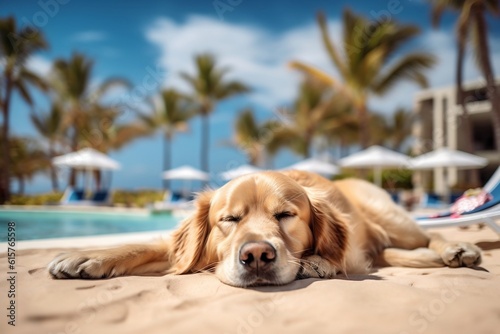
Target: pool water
x,y
32,225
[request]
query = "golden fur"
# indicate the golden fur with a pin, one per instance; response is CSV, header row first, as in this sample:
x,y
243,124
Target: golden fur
x,y
274,227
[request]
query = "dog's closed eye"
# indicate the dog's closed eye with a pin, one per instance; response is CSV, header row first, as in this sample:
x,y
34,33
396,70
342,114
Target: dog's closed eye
x,y
231,219
283,215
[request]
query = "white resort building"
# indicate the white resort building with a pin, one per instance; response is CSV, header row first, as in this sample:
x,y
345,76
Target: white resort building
x,y
439,126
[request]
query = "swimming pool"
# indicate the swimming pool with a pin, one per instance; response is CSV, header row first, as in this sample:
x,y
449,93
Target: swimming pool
x,y
32,225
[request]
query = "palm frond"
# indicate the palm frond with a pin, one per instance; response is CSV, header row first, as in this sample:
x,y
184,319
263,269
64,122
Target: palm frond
x,y
398,35
493,6
23,91
17,45
354,32
230,88
285,137
33,79
314,72
438,8
410,67
191,80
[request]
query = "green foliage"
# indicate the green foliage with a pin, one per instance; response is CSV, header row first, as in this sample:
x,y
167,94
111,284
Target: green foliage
x,y
370,61
140,198
397,179
40,199
346,174
391,178
209,86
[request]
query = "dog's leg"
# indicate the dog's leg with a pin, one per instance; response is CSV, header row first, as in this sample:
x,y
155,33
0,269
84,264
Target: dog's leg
x,y
405,234
125,260
414,258
455,254
439,253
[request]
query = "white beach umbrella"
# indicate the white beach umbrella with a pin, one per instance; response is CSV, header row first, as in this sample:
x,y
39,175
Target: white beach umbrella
x,y
376,157
88,159
239,171
185,173
445,157
316,166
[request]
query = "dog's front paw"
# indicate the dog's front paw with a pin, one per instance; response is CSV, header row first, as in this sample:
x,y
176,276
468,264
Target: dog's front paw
x,y
461,254
81,265
315,266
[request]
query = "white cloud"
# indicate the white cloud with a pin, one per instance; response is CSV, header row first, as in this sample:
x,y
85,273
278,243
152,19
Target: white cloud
x,y
255,56
39,65
259,57
90,36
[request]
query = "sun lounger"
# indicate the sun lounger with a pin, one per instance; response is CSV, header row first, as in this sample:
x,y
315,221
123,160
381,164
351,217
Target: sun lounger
x,y
101,197
174,201
486,213
72,196
77,197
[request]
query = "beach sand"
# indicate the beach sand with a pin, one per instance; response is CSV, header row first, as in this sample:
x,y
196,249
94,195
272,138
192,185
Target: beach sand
x,y
389,300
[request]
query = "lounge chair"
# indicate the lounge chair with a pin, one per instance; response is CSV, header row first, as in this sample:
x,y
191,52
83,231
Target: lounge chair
x,y
77,197
72,196
487,213
174,201
100,197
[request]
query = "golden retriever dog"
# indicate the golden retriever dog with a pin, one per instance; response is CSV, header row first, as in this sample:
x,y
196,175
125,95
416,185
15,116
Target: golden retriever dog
x,y
270,228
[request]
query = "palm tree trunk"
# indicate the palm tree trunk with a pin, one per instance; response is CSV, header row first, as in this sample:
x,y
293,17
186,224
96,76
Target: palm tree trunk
x,y
97,178
167,158
485,64
364,135
464,118
53,176
205,138
74,144
307,146
5,174
53,173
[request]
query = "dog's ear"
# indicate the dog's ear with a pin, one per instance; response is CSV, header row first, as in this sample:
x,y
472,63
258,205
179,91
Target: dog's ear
x,y
190,238
329,228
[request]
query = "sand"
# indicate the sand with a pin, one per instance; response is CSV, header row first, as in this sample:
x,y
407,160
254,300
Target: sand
x,y
389,300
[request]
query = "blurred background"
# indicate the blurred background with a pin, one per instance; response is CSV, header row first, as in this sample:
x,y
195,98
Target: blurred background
x,y
219,84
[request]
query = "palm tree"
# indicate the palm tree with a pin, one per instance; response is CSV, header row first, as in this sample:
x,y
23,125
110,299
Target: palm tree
x,y
472,20
27,159
400,128
379,129
50,126
255,139
341,124
316,112
102,129
16,46
393,130
71,82
209,87
170,115
368,64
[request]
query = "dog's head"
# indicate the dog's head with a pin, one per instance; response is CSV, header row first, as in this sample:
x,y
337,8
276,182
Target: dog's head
x,y
255,229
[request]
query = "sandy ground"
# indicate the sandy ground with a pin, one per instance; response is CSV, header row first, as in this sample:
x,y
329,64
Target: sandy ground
x,y
389,300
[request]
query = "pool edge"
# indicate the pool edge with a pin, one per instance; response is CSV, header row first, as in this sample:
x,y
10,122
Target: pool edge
x,y
88,241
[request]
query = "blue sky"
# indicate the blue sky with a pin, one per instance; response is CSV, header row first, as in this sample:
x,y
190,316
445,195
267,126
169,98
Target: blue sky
x,y
145,40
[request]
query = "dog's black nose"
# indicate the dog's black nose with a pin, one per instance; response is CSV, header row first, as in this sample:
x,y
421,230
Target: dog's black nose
x,y
257,255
